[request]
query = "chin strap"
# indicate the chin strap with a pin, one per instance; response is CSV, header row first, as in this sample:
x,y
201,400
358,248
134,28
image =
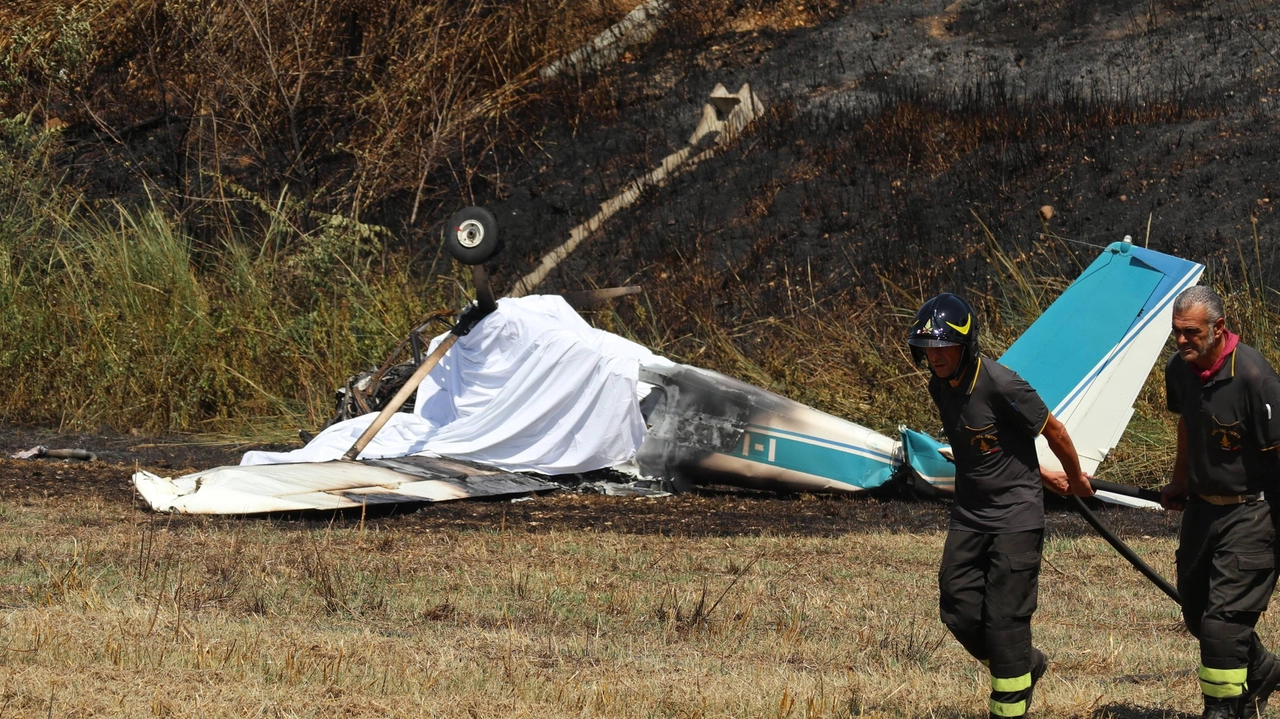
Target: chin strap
x,y
965,361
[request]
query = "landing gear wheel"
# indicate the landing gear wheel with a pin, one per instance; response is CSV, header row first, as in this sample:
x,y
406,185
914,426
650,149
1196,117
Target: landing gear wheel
x,y
471,236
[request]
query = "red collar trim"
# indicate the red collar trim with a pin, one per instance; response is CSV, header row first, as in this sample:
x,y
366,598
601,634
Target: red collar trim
x,y
1230,340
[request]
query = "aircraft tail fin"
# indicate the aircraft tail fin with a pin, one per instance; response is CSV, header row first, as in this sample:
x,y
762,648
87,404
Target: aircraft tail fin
x,y
1091,351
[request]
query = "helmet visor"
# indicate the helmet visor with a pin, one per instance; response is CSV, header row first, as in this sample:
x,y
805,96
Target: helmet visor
x,y
930,342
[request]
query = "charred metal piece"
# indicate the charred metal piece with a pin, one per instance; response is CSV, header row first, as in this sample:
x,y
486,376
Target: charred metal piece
x,y
42,451
484,295
470,477
587,298
415,346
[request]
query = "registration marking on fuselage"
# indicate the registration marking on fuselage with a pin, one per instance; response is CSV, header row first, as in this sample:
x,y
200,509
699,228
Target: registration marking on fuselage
x,y
748,445
805,459
862,451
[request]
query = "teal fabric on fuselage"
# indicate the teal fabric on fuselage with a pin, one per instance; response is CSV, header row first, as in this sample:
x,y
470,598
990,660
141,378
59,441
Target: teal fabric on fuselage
x,y
921,452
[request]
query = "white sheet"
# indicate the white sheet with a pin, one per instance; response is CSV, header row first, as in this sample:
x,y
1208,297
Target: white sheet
x,y
532,388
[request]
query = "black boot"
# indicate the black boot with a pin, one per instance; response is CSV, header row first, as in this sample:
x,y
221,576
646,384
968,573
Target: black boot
x,y
1039,664
1215,708
1258,690
1016,702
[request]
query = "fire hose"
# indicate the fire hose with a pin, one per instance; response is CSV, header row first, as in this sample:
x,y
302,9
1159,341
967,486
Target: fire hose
x,y
1125,551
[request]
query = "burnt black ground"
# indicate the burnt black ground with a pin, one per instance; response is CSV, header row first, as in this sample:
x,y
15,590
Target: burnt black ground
x,y
893,125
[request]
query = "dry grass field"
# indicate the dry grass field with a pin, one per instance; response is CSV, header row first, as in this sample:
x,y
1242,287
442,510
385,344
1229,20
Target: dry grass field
x,y
721,605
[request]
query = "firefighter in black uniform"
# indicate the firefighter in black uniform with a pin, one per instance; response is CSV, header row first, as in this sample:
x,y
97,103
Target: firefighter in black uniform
x,y
1229,401
991,560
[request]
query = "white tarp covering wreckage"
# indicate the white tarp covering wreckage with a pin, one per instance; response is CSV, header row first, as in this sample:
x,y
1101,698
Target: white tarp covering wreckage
x,y
533,388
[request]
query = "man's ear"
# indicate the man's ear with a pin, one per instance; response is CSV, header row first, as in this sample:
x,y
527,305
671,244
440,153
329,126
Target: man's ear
x,y
1219,326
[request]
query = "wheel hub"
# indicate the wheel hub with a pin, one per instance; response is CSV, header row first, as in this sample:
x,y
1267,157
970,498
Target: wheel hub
x,y
470,233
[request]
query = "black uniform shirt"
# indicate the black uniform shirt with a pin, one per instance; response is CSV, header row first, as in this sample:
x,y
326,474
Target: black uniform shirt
x,y
992,419
1230,421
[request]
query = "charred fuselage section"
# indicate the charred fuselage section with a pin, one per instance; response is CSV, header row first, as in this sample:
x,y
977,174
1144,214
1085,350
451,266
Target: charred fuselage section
x,y
694,415
706,428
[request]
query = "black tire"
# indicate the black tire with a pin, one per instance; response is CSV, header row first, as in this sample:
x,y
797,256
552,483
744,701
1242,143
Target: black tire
x,y
471,237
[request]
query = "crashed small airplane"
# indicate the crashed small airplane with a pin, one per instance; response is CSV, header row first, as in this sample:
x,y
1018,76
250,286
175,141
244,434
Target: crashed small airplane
x,y
524,385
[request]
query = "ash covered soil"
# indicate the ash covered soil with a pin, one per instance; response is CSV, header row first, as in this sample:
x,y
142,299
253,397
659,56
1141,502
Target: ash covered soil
x,y
897,134
51,483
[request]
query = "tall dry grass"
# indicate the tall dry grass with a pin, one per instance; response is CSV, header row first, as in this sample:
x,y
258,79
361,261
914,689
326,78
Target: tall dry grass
x,y
379,111
211,212
185,241
116,316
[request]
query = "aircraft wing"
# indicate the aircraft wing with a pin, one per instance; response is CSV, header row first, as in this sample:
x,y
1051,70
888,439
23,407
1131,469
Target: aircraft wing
x,y
259,489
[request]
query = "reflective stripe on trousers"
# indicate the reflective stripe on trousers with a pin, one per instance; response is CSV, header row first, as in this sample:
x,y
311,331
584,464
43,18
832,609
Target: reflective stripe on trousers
x,y
1222,683
1009,695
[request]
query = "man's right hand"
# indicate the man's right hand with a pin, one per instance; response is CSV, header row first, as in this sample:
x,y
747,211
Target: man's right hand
x,y
1055,481
1081,487
1172,496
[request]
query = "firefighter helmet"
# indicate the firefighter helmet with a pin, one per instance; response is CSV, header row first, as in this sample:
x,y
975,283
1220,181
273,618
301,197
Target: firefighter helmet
x,y
945,321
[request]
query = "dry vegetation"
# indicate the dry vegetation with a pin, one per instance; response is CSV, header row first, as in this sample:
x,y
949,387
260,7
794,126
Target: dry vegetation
x,y
110,612
212,212
343,102
186,191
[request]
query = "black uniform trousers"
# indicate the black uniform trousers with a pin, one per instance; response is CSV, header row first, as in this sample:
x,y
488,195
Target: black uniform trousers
x,y
988,585
1226,573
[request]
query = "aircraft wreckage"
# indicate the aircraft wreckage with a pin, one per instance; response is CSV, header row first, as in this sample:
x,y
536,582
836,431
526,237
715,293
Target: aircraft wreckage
x,y
522,389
